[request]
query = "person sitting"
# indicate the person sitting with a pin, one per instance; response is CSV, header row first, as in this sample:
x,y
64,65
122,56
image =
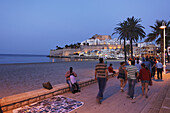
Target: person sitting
x,y
110,70
71,81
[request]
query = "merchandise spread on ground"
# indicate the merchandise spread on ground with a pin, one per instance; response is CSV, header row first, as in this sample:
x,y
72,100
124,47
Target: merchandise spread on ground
x,y
56,104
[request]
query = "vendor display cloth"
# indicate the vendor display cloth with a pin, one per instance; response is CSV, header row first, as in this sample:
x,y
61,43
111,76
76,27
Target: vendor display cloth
x,y
56,104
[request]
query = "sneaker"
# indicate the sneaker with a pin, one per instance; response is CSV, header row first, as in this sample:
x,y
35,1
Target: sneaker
x,y
146,96
100,98
98,101
133,98
122,90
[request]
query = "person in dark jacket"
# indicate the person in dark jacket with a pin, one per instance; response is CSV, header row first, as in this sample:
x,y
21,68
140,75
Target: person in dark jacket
x,y
1,110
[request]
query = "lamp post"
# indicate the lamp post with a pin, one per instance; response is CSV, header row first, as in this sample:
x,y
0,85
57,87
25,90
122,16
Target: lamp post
x,y
163,27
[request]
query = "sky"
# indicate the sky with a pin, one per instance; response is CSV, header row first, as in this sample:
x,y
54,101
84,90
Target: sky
x,y
36,26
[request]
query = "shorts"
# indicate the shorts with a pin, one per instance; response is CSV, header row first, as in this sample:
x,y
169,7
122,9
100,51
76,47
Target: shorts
x,y
145,81
121,76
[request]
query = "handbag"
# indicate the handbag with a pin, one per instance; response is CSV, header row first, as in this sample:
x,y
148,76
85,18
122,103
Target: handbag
x,y
47,85
121,75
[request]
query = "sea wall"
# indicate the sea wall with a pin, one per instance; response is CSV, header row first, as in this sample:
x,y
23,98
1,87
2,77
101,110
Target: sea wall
x,y
84,48
15,101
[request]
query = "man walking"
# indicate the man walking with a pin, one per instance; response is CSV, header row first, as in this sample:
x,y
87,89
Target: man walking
x,y
132,74
159,67
101,75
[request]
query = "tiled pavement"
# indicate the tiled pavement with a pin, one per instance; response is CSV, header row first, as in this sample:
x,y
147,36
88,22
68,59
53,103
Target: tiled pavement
x,y
116,101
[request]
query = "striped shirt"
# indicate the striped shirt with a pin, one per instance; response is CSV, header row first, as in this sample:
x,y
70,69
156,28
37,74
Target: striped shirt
x,y
100,70
131,71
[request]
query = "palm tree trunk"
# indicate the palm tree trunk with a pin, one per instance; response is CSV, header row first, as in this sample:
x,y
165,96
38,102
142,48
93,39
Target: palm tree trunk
x,y
131,47
125,48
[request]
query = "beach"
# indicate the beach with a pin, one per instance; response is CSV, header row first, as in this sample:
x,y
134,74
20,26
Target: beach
x,y
23,77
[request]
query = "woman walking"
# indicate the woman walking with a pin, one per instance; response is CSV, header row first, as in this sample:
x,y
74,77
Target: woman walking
x,y
122,75
145,77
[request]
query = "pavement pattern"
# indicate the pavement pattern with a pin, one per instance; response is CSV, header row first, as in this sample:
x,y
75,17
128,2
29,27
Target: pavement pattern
x,y
114,101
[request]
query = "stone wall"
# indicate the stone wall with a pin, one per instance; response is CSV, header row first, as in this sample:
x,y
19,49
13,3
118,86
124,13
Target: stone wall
x,y
15,101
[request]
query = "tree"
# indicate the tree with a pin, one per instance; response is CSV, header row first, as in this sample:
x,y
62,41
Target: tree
x,y
127,48
130,30
122,30
157,34
135,31
66,46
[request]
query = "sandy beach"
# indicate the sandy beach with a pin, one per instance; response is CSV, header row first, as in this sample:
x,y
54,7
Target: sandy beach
x,y
19,78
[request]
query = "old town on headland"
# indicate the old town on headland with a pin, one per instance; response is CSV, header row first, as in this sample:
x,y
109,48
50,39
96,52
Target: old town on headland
x,y
104,46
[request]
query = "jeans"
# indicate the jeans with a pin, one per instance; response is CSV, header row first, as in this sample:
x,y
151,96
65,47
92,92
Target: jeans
x,y
153,72
131,86
70,85
159,70
102,84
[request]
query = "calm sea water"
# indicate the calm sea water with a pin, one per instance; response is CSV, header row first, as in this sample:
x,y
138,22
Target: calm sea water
x,y
15,58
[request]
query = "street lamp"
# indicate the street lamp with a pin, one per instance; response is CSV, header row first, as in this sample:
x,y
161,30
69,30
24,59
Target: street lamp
x,y
163,27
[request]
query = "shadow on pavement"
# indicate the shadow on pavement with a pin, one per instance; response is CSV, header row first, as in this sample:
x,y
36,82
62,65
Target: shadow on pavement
x,y
110,91
158,80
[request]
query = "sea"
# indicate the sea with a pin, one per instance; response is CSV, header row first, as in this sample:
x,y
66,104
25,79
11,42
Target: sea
x,y
24,58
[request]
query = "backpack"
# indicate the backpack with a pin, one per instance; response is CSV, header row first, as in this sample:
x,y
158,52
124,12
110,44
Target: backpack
x,y
47,85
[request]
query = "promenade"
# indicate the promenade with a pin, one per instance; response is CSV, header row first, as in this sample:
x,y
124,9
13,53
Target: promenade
x,y
116,102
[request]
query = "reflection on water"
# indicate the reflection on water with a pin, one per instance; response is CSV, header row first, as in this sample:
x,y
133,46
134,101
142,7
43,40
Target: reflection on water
x,y
12,59
69,59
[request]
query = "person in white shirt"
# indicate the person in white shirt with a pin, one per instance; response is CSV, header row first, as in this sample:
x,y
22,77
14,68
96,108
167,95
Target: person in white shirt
x,y
138,65
71,81
159,67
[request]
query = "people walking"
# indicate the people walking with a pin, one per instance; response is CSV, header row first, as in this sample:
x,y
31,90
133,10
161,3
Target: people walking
x,y
148,64
1,110
70,79
122,76
138,65
132,74
153,66
145,77
101,75
159,67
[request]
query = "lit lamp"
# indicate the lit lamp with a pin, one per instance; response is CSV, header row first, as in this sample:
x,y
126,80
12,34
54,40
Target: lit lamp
x,y
163,27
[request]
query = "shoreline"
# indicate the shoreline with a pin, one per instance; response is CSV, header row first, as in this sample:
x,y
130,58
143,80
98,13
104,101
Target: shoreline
x,y
90,59
84,57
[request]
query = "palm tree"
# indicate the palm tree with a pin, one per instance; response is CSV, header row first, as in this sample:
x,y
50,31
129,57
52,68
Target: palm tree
x,y
122,30
135,31
157,34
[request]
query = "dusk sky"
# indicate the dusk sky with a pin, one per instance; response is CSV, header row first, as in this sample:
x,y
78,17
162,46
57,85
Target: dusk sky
x,y
36,26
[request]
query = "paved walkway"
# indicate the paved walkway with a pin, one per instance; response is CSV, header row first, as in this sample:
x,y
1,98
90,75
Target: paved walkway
x,y
116,101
